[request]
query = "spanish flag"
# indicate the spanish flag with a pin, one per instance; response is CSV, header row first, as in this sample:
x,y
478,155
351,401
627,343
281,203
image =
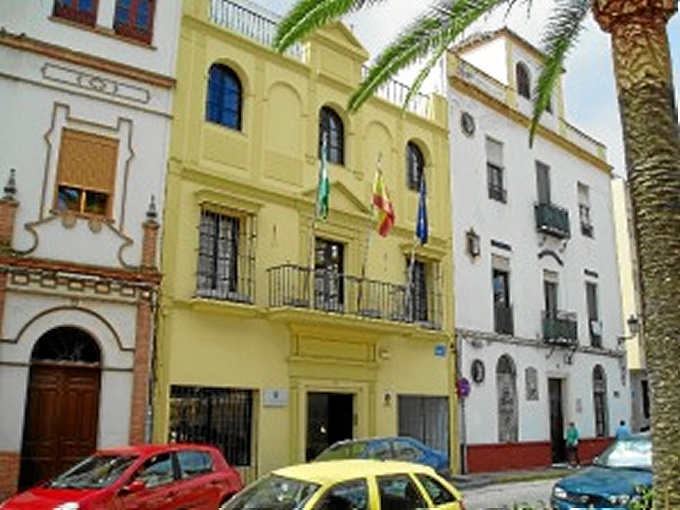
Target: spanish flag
x,y
382,204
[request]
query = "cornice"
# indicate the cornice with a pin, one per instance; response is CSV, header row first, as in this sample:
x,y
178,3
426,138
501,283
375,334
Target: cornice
x,y
521,119
24,43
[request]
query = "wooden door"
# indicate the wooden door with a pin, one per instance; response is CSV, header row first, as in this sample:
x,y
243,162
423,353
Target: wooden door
x,y
556,421
61,420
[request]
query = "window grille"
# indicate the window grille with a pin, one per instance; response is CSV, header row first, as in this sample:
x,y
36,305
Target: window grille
x,y
415,166
330,125
226,257
222,417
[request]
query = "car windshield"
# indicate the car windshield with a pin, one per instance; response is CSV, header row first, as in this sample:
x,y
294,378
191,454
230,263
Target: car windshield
x,y
94,472
274,492
633,452
355,450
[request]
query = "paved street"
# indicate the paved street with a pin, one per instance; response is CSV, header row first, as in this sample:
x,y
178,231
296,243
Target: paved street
x,y
504,496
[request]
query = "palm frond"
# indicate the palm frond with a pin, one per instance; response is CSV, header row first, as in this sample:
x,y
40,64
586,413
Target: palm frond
x,y
306,16
428,36
562,31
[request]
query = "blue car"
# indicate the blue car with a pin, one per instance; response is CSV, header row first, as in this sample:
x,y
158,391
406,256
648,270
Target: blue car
x,y
618,478
388,448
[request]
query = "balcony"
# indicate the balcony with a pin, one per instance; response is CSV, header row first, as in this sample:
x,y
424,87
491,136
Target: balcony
x,y
503,320
552,220
560,328
331,292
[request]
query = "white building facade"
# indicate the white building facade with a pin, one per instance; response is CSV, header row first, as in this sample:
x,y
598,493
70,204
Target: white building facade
x,y
538,310
86,90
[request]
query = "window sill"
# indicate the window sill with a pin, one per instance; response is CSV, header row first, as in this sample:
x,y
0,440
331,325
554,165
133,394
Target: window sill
x,y
100,30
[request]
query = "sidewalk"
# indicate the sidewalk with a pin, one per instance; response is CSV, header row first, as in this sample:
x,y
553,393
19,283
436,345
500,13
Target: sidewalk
x,y
475,480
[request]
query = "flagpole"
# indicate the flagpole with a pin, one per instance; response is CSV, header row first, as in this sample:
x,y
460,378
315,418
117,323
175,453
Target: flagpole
x,y
315,218
369,235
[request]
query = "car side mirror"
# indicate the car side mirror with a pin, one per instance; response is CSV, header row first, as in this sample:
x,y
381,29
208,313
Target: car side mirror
x,y
134,486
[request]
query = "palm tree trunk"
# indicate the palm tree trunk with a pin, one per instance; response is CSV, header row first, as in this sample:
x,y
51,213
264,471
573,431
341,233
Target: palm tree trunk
x,y
642,68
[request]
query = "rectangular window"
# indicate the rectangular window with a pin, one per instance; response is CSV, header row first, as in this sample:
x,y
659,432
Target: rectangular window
x,y
222,417
584,210
423,303
226,261
543,182
494,167
134,18
503,319
79,11
594,323
329,275
86,173
550,293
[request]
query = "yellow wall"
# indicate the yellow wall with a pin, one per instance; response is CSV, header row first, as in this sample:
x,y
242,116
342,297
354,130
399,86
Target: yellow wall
x,y
270,169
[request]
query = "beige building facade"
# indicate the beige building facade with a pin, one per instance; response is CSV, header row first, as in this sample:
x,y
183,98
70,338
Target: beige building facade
x,y
280,331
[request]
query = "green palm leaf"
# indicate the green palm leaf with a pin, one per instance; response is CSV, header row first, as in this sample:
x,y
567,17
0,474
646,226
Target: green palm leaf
x,y
428,36
564,26
306,16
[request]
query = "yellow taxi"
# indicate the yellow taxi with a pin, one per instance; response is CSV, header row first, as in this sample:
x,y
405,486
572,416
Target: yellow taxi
x,y
352,484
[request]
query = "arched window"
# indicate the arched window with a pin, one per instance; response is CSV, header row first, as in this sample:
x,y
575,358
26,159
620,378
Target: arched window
x,y
600,401
66,344
415,165
225,97
523,80
330,126
506,385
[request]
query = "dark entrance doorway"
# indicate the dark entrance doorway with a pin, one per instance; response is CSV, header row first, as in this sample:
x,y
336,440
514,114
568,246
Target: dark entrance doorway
x,y
62,404
330,418
556,420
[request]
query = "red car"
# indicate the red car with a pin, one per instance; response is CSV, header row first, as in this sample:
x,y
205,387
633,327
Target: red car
x,y
149,477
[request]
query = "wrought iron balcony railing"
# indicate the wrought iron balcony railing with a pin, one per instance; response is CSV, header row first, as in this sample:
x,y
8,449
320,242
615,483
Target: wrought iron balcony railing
x,y
503,320
329,291
560,328
552,220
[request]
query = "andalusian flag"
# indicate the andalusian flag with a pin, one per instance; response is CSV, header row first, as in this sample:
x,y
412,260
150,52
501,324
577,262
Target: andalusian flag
x,y
323,188
382,204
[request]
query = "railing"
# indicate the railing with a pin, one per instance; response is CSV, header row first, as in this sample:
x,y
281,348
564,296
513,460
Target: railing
x,y
261,28
552,220
470,74
251,24
395,92
503,320
329,291
560,328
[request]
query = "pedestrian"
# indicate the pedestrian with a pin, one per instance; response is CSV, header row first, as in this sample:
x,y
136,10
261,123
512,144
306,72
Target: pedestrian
x,y
571,438
622,431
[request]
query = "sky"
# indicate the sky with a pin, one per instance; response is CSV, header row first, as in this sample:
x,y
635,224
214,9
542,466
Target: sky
x,y
589,89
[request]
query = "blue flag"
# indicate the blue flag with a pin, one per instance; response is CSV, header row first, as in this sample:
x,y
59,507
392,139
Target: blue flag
x,y
421,224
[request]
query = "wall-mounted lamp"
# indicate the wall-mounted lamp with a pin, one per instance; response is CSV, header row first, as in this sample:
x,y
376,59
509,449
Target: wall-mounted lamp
x,y
633,328
473,244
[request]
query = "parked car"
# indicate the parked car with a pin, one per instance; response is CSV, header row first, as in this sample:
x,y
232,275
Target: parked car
x,y
393,448
351,484
163,477
617,478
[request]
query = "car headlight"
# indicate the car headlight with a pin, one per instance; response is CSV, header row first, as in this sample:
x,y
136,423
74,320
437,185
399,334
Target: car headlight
x,y
559,493
68,506
619,499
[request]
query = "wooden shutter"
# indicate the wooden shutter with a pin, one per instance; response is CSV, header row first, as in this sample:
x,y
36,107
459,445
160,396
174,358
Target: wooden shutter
x,y
87,161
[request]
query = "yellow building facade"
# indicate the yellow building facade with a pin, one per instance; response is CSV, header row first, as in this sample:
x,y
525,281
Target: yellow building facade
x,y
280,331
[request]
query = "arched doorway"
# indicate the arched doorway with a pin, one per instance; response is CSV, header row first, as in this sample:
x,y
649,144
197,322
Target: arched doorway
x,y
62,404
